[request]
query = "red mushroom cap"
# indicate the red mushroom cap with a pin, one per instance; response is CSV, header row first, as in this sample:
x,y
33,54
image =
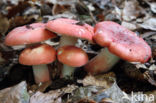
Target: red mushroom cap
x,y
72,56
70,27
122,42
28,34
42,54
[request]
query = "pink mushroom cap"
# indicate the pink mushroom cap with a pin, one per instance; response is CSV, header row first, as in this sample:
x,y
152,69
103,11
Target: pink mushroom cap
x,y
70,27
122,42
28,34
72,56
42,54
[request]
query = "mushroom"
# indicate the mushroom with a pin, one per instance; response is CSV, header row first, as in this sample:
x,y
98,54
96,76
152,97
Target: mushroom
x,y
38,57
71,56
70,30
29,35
121,43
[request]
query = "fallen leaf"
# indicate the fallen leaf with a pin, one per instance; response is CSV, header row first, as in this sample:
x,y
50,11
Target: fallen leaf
x,y
63,15
12,2
131,10
51,97
58,9
40,87
61,2
12,11
129,26
153,7
84,100
152,67
98,89
103,4
106,100
15,94
149,23
4,24
90,80
20,21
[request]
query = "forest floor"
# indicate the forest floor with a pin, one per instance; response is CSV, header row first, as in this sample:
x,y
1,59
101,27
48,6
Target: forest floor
x,y
126,82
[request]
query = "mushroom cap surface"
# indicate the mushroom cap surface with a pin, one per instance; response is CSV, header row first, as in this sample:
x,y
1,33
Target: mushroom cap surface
x,y
72,56
121,42
28,34
71,27
42,54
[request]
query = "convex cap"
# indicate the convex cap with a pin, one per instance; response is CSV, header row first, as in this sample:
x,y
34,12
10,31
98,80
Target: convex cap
x,y
28,34
71,27
72,56
121,41
42,54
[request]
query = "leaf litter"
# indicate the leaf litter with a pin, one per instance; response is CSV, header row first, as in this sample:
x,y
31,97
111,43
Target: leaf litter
x,y
136,15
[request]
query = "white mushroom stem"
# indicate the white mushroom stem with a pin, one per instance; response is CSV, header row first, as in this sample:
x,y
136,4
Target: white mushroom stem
x,y
67,71
103,62
41,73
67,40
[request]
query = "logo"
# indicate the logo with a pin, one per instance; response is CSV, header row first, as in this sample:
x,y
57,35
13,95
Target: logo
x,y
138,97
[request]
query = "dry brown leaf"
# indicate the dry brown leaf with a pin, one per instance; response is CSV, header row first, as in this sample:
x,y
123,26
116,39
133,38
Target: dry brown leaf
x,y
129,26
103,4
63,15
4,24
12,2
153,6
40,87
98,89
149,23
61,2
51,97
90,80
131,10
84,100
147,34
20,21
12,11
15,94
58,9
106,100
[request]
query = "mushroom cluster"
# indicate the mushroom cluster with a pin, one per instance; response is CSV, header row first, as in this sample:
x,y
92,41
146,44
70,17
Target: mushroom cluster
x,y
118,41
36,53
68,54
